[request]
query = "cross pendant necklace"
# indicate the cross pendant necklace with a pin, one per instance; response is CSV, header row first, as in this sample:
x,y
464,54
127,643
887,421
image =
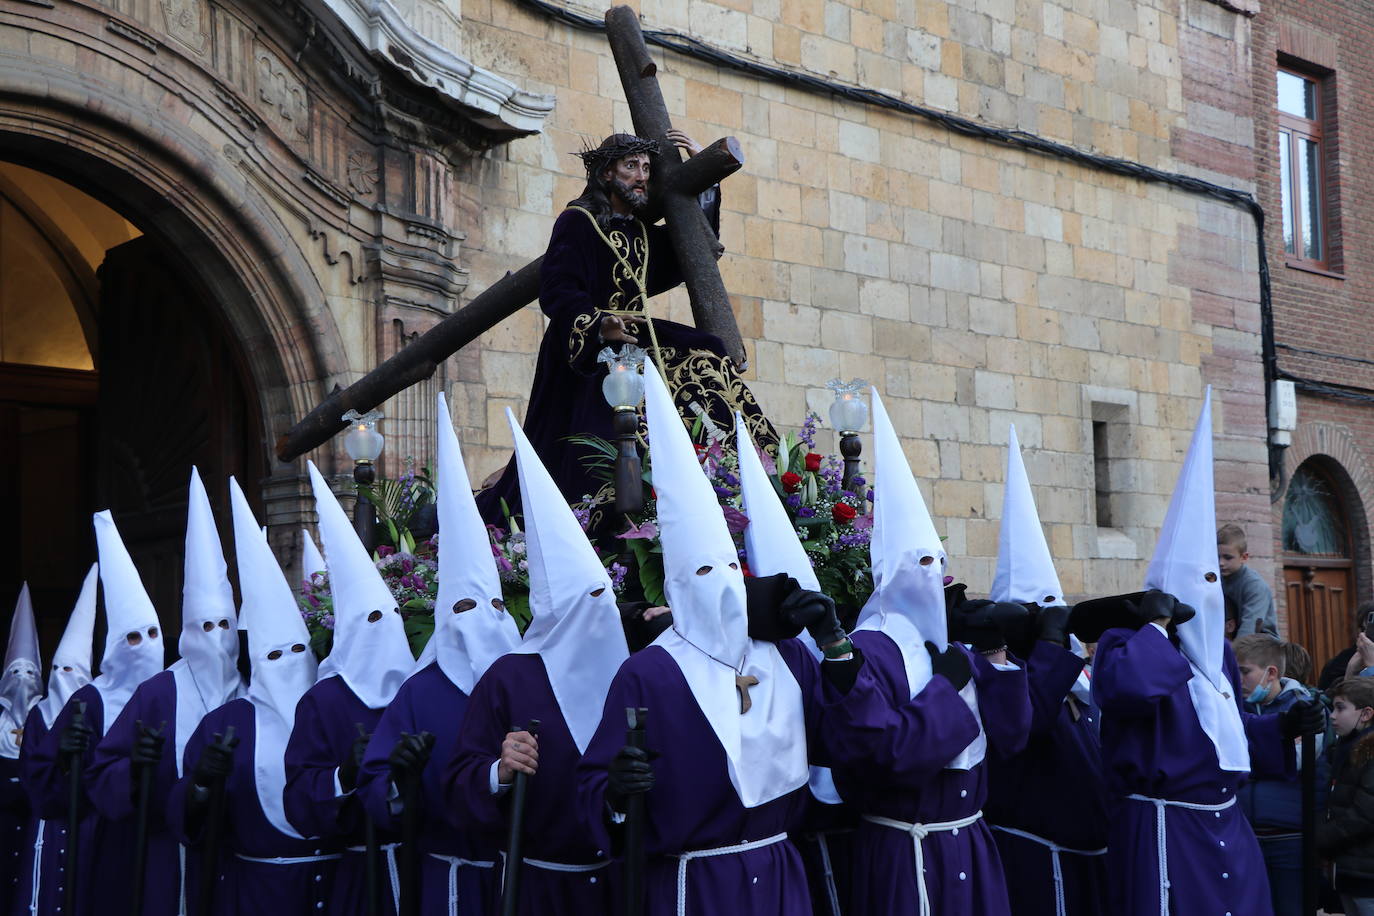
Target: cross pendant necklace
x,y
742,681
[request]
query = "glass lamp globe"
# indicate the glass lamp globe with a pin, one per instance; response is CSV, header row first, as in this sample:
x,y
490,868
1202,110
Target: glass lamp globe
x,y
623,385
363,441
849,411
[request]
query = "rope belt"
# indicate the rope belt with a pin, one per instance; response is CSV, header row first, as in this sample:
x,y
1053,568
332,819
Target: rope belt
x,y
918,833
1161,836
389,849
686,857
289,860
564,866
831,892
1060,907
37,877
453,863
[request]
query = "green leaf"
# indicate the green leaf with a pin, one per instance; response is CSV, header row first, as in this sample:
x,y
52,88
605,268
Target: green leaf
x,y
518,606
419,629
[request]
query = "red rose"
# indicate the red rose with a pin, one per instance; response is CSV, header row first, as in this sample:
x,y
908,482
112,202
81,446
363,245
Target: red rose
x,y
843,513
791,481
813,461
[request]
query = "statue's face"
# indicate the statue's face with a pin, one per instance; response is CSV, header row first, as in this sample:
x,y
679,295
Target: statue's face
x,y
629,179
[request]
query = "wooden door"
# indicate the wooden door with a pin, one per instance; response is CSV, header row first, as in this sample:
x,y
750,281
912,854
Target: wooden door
x,y
1320,606
172,395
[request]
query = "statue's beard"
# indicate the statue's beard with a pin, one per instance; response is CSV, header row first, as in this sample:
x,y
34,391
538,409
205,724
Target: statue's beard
x,y
635,198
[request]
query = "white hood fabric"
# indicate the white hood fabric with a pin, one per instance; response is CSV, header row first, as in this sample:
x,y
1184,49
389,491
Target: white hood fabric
x,y
908,600
771,543
1185,565
372,657
71,663
21,685
1025,571
575,626
311,560
465,642
283,666
765,748
128,611
207,673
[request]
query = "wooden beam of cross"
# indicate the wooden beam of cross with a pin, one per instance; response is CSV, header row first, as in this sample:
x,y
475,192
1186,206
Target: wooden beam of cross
x,y
673,190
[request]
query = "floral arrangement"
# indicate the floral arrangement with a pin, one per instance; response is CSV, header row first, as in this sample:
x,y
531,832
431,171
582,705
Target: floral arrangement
x,y
834,524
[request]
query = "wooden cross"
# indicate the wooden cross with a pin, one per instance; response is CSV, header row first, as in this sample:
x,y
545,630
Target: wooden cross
x,y
742,683
672,195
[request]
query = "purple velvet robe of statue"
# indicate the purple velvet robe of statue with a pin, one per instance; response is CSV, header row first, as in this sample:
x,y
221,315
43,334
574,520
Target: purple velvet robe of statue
x,y
111,782
245,887
891,751
105,850
693,805
459,867
327,720
14,821
1055,790
514,690
43,841
1152,745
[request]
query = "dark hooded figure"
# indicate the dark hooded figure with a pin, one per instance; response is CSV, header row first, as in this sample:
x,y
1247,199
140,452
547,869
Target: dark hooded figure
x,y
602,266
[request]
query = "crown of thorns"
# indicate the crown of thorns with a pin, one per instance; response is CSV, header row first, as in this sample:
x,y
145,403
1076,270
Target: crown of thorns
x,y
614,148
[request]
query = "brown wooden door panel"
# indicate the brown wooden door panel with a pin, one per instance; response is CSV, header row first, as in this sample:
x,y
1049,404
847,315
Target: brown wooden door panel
x,y
1319,611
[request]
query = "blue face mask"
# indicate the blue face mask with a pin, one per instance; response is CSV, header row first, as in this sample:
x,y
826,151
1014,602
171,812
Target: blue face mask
x,y
1258,695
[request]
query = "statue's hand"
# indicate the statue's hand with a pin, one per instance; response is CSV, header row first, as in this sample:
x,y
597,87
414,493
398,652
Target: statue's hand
x,y
616,329
684,142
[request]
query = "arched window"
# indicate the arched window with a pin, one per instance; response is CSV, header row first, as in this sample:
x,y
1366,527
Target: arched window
x,y
1313,521
1318,571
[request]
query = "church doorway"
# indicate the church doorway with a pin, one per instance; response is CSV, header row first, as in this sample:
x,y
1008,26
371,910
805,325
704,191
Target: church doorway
x,y
117,373
1318,565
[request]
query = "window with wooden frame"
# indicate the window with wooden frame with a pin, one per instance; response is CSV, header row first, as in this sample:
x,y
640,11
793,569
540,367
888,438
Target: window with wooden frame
x,y
1302,172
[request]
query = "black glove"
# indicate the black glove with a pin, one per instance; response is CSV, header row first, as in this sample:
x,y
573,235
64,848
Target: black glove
x,y
348,768
630,774
76,738
764,598
816,612
215,763
985,624
147,750
1301,719
409,756
1052,624
952,663
1155,604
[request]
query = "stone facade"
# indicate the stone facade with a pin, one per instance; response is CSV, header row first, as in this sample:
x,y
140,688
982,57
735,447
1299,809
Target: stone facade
x,y
347,201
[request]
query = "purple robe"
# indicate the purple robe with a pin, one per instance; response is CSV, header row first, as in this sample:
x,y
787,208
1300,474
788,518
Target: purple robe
x,y
327,720
105,853
1055,790
891,751
38,872
1153,745
14,821
111,784
429,701
245,887
514,690
693,805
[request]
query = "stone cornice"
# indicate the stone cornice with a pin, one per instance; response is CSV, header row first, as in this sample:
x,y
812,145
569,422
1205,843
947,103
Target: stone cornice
x,y
384,33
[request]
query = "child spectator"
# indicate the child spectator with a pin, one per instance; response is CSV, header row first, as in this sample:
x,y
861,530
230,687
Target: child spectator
x,y
1346,836
1299,666
1336,666
1273,804
1243,586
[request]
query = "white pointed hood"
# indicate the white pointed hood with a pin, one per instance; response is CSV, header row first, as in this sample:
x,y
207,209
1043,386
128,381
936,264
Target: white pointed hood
x,y
765,748
575,626
311,560
282,664
770,542
1185,565
1025,571
908,600
128,612
465,642
207,674
372,656
71,663
21,685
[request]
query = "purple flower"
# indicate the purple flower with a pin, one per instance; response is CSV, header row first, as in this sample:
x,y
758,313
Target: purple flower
x,y
646,531
730,479
385,550
407,563
584,517
502,564
806,512
847,494
617,576
793,501
735,520
858,481
327,621
869,496
314,602
808,430
722,491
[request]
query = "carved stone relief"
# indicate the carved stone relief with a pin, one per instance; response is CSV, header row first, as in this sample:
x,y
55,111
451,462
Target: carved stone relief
x,y
188,21
280,94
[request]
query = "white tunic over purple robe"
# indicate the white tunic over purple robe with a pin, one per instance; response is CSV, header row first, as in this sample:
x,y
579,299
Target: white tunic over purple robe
x,y
512,692
1054,790
261,870
459,865
905,744
1154,747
